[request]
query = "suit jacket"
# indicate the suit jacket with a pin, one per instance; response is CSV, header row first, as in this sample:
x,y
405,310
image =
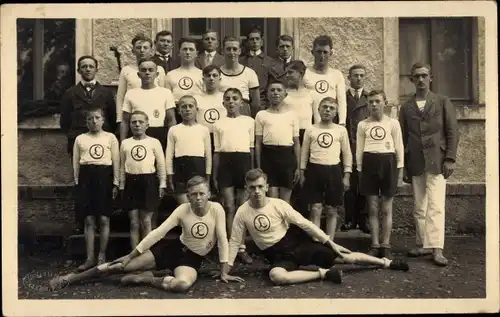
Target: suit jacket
x,y
429,136
261,64
277,71
218,60
357,111
75,102
172,62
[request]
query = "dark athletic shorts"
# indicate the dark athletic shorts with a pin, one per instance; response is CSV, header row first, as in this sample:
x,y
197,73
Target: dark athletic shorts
x,y
233,167
94,192
279,163
293,251
159,133
186,167
172,254
379,175
324,184
141,192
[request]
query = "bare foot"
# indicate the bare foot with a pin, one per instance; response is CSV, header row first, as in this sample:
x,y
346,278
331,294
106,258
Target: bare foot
x,y
86,265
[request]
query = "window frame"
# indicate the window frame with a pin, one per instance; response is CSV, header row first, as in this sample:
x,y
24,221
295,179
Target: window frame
x,y
466,29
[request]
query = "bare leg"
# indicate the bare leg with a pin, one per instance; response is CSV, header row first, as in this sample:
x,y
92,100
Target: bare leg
x,y
103,239
365,259
145,222
228,197
315,215
145,261
134,228
89,233
285,194
241,197
386,220
373,205
184,277
273,192
280,276
331,221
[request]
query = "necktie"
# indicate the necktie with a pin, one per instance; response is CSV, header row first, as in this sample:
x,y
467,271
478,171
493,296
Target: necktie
x,y
356,95
208,59
89,87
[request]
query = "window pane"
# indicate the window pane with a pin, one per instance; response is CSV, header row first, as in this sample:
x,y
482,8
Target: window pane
x,y
414,43
197,26
24,60
246,24
58,56
451,67
406,88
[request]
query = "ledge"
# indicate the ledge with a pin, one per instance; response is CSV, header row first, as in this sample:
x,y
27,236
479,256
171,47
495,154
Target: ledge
x,y
29,192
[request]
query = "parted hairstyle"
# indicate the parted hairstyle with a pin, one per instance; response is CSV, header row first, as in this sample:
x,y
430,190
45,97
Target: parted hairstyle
x,y
284,37
323,40
86,57
375,92
148,59
356,66
420,65
230,39
207,69
328,99
162,33
186,40
141,38
94,109
139,112
254,174
196,180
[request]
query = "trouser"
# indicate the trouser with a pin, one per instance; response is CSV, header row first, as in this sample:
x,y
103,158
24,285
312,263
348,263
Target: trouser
x,y
429,193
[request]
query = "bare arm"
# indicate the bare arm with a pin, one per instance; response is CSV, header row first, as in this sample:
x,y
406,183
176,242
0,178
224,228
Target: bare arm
x,y
341,98
122,167
258,150
360,145
160,164
255,101
76,161
115,158
120,95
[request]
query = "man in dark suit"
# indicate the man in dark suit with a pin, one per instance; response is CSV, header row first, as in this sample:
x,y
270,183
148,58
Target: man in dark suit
x,y
258,61
209,56
357,110
285,52
80,97
430,136
163,51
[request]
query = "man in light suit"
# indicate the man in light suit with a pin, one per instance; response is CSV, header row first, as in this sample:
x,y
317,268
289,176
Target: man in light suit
x,y
210,56
430,136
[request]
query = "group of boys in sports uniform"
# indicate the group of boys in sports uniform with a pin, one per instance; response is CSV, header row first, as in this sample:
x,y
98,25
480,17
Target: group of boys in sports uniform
x,y
254,157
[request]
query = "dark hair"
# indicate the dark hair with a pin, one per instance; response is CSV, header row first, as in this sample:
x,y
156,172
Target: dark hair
x,y
275,82
330,99
356,66
375,92
86,57
323,40
209,31
196,180
94,109
256,29
235,90
140,113
420,65
143,60
141,38
162,33
254,174
230,39
186,40
210,68
298,66
284,37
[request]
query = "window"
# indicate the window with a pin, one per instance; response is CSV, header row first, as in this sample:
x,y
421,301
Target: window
x,y
443,43
46,58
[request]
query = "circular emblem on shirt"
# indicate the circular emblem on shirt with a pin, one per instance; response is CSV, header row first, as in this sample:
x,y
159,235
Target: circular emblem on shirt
x,y
138,153
377,133
212,115
261,223
199,230
185,83
325,139
156,113
96,151
322,86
